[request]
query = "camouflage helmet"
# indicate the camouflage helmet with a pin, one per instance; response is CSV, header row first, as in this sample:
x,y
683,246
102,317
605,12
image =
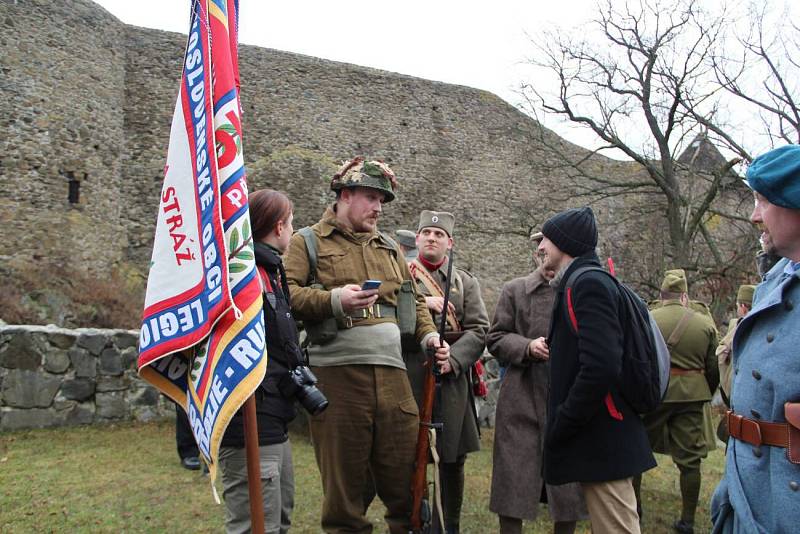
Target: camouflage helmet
x,y
360,173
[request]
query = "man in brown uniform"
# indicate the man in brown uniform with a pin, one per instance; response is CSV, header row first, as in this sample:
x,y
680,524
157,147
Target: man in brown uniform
x,y
681,426
370,426
744,301
517,339
467,321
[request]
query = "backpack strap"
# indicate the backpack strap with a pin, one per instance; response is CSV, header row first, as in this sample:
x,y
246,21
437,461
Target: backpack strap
x,y
610,406
680,328
573,320
311,247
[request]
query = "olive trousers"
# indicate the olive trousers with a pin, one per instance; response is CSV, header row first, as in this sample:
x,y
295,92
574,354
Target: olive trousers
x,y
370,427
277,488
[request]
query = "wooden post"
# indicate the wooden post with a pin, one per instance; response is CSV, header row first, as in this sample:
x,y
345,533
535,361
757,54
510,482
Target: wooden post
x,y
253,466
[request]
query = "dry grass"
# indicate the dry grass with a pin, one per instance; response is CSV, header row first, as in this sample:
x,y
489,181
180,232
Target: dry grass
x,y
126,478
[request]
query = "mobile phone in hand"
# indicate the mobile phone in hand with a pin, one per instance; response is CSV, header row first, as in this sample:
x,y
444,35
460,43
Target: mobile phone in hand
x,y
370,284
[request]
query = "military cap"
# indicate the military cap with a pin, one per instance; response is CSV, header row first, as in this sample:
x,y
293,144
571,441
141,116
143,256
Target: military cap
x,y
745,294
776,176
360,173
439,219
407,238
674,281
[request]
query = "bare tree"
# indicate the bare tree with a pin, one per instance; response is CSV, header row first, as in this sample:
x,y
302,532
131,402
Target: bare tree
x,y
642,80
763,75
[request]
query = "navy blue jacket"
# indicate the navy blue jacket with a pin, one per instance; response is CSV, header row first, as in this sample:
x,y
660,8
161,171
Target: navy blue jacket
x,y
590,436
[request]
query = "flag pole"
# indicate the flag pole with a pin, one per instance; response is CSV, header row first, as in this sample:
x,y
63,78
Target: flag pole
x,y
253,466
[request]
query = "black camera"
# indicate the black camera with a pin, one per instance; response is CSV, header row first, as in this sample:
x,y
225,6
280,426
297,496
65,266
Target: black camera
x,y
299,383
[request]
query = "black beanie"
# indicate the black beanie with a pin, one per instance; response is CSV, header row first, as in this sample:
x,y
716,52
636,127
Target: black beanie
x,y
573,231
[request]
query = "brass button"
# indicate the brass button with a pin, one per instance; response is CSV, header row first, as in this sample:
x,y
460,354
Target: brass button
x,y
756,375
794,485
770,338
755,414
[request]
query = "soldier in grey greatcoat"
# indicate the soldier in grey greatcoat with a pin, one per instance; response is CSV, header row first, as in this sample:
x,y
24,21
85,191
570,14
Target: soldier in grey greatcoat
x,y
515,339
467,324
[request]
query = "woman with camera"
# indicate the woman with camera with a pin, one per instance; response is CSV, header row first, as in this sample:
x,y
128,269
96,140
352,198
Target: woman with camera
x,y
271,219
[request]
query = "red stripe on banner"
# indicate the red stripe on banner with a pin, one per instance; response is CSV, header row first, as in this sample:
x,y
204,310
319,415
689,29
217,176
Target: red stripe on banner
x,y
244,299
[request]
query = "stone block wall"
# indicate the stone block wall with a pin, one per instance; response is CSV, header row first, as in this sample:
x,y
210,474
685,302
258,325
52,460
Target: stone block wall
x,y
52,376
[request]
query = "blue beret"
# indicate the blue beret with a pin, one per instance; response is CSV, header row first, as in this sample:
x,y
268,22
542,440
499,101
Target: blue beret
x,y
776,175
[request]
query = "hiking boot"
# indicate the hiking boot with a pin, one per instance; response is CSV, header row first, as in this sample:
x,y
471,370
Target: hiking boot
x,y
683,527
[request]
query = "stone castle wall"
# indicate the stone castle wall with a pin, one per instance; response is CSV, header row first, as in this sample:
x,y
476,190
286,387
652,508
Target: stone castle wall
x,y
52,376
88,99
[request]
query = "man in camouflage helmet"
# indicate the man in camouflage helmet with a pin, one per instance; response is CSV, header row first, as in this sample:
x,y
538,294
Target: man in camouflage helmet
x,y
467,324
370,426
681,426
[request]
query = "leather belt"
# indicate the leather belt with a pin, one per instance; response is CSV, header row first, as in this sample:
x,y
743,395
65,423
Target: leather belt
x,y
376,311
677,371
756,432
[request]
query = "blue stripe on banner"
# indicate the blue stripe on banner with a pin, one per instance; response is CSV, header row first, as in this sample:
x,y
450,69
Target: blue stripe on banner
x,y
180,320
233,218
174,368
238,356
243,282
222,5
232,179
227,97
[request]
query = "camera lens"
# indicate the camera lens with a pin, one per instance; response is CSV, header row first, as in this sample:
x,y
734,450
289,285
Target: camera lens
x,y
312,399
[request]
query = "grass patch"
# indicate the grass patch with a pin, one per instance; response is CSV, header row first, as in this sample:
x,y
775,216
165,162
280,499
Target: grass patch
x,y
126,478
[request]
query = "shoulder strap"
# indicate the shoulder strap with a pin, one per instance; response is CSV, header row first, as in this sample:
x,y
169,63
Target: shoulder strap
x,y
680,328
311,247
573,319
392,242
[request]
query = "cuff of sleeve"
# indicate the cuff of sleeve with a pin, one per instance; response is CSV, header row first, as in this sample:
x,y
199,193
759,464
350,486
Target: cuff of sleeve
x,y
424,343
456,365
336,303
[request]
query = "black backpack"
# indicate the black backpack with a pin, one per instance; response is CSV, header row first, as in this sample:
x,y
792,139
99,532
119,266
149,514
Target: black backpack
x,y
645,362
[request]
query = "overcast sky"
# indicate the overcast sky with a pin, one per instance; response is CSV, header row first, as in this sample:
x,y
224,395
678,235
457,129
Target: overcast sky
x,y
477,44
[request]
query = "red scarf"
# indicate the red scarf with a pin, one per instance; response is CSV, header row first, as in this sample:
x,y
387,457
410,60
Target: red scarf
x,y
431,266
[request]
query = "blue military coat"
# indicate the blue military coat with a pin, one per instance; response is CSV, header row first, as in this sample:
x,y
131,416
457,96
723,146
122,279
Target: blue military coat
x,y
760,491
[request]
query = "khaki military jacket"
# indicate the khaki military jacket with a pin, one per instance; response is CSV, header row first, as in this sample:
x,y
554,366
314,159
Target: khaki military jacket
x,y
724,360
460,431
695,350
345,257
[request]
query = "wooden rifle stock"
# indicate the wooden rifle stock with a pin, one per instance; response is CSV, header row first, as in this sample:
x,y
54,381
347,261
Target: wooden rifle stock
x,y
419,479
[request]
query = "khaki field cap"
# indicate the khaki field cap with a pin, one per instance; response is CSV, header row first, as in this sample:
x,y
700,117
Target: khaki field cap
x,y
360,173
745,294
439,219
674,281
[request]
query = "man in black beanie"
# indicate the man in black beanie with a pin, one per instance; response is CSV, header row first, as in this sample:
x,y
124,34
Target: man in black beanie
x,y
592,435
